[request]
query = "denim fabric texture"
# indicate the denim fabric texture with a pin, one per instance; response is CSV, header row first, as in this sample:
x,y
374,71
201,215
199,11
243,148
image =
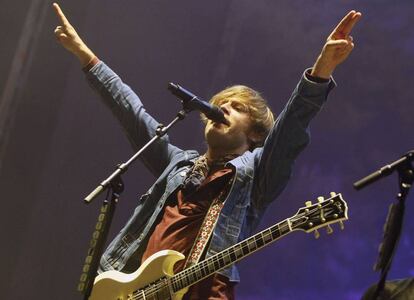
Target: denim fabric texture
x,y
260,176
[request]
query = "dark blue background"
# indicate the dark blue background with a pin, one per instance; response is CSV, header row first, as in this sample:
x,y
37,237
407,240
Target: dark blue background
x,y
63,141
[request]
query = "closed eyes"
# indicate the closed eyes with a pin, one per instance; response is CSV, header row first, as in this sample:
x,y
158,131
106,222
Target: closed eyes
x,y
236,105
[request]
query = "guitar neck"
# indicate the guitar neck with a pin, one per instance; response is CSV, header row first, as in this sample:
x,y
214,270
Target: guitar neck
x,y
308,219
229,256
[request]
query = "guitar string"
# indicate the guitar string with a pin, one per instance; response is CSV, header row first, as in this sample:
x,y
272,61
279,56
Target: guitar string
x,y
216,258
249,242
183,274
280,226
153,290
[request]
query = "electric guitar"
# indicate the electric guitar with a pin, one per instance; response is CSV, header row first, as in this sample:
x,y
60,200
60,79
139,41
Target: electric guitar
x,y
155,279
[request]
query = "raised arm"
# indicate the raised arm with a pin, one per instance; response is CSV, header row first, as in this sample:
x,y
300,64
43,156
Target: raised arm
x,y
140,127
68,37
338,46
290,133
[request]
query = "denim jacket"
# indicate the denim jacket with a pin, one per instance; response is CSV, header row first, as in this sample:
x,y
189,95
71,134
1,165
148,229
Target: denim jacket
x,y
260,176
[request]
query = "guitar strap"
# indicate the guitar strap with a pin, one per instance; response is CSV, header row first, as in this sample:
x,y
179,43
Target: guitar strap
x,y
207,227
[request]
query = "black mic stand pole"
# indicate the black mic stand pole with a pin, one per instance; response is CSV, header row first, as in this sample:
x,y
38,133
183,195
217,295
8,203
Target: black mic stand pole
x,y
395,217
90,267
393,227
115,185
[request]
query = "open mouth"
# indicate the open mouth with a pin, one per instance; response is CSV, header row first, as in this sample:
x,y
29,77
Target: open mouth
x,y
219,124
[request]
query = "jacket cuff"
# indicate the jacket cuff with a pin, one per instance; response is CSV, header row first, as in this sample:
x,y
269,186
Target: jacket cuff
x,y
315,92
90,64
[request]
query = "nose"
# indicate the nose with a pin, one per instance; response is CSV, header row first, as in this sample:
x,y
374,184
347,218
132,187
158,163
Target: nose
x,y
225,108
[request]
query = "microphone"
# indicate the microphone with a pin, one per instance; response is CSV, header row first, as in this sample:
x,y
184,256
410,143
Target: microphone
x,y
192,102
399,165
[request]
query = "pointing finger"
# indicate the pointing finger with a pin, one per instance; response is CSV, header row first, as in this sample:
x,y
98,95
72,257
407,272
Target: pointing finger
x,y
345,20
63,20
347,23
348,27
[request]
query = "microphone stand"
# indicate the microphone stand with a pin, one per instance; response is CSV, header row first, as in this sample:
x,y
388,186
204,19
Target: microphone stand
x,y
394,222
99,236
115,187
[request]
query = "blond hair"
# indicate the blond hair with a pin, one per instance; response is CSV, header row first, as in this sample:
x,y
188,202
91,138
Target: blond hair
x,y
261,116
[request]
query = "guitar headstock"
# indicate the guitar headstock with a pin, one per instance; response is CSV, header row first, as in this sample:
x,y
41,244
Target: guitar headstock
x,y
321,214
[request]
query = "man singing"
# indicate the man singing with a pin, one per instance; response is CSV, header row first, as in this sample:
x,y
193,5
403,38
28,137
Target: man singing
x,y
247,163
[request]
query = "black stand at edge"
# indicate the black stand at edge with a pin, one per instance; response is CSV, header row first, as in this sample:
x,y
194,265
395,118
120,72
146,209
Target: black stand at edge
x,y
115,186
394,223
99,237
393,227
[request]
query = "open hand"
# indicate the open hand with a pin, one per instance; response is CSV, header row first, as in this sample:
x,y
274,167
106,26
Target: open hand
x,y
338,46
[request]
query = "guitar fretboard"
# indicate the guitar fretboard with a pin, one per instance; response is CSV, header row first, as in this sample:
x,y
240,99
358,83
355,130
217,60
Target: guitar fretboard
x,y
308,219
229,256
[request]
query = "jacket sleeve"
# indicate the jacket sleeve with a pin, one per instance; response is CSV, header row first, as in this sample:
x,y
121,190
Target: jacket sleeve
x,y
139,126
288,137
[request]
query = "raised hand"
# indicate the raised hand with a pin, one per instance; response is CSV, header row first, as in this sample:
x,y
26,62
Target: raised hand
x,y
338,46
69,38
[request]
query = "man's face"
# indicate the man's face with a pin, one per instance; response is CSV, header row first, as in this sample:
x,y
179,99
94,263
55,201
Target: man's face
x,y
233,136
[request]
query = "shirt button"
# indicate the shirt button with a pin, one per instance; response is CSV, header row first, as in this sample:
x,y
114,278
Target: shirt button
x,y
183,173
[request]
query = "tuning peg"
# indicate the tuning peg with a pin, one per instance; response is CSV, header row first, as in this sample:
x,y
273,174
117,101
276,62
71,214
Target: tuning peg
x,y
308,203
329,229
341,225
320,199
317,234
333,194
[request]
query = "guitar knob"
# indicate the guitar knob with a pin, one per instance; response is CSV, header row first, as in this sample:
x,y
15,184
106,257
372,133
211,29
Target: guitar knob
x,y
320,199
333,194
341,225
308,203
329,229
317,234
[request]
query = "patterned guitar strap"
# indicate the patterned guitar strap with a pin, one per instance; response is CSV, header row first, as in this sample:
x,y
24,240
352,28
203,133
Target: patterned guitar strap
x,y
213,212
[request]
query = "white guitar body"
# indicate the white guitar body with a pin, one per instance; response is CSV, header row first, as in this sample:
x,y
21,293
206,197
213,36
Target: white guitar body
x,y
114,285
149,281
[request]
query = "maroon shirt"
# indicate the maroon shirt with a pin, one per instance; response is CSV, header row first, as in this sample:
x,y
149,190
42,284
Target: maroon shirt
x,y
179,227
